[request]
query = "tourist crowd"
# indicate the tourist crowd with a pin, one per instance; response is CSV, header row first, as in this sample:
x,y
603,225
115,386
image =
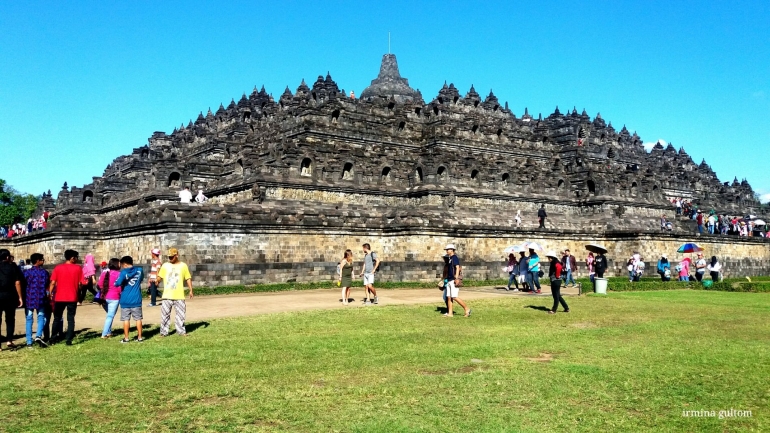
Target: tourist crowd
x,y
19,229
713,223
113,284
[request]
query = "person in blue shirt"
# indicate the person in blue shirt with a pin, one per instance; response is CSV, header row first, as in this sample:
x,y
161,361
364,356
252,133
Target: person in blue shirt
x,y
130,279
534,270
663,266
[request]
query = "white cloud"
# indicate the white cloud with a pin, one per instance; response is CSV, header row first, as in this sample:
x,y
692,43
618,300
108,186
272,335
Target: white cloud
x,y
764,198
648,146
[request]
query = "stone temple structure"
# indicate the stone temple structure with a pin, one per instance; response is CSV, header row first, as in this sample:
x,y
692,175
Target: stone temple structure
x,y
295,180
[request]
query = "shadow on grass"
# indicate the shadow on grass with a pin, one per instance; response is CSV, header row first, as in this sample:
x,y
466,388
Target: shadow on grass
x,y
537,307
442,310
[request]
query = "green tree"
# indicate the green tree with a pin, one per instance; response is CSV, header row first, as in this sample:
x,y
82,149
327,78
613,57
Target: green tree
x,y
15,206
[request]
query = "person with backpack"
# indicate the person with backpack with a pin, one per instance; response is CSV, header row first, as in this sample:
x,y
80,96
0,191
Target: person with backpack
x,y
111,295
664,268
454,280
371,262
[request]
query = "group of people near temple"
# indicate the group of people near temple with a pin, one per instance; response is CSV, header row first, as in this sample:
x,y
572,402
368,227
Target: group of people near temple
x,y
33,224
714,223
116,283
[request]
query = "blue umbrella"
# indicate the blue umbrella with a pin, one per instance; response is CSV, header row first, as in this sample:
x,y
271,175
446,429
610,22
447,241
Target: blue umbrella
x,y
689,247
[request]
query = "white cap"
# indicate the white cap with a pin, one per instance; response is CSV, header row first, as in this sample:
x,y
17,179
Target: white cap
x,y
450,247
665,256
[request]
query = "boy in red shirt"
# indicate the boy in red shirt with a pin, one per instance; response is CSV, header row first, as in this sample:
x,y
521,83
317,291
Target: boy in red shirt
x,y
65,282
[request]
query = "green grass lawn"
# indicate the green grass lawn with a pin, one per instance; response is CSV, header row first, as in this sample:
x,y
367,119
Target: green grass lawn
x,y
625,362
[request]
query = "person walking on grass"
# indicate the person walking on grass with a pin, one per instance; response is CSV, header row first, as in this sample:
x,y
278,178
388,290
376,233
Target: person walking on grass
x,y
111,295
89,279
524,272
371,262
10,295
512,267
453,279
569,264
37,296
64,286
153,276
175,274
130,282
345,275
533,277
554,274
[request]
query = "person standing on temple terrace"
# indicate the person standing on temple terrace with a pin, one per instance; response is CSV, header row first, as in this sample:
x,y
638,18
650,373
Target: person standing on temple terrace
x,y
711,222
700,267
200,198
664,268
600,263
453,279
679,206
130,282
554,274
175,275
10,295
37,296
89,279
518,218
541,216
345,280
185,196
569,265
111,295
153,276
352,95
512,267
65,283
715,269
371,262
533,277
699,221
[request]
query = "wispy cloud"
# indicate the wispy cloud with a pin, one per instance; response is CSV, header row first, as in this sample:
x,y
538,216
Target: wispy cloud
x,y
648,146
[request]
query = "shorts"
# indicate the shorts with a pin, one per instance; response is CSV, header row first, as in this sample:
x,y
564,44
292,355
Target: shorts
x,y
451,290
368,279
127,314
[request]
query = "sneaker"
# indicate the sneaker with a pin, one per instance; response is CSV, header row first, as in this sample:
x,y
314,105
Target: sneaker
x,y
366,301
125,340
139,340
507,289
30,346
40,342
152,305
515,290
538,291
375,301
551,312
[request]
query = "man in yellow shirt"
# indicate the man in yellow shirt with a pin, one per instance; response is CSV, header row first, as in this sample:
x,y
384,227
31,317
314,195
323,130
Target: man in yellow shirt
x,y
174,274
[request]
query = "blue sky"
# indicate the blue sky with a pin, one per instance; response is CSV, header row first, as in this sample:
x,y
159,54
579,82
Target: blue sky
x,y
84,82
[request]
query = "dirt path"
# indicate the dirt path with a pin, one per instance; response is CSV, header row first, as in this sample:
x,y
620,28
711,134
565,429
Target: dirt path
x,y
219,306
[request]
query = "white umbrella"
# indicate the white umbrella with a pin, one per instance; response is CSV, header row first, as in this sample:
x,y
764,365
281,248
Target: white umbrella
x,y
533,246
759,222
513,249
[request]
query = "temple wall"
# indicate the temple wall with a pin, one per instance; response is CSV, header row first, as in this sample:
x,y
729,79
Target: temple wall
x,y
237,256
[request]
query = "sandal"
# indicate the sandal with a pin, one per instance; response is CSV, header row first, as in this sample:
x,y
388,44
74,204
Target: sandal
x,y
551,312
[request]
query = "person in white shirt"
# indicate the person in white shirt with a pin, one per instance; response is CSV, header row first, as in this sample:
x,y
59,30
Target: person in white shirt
x,y
185,196
518,218
200,198
700,267
715,269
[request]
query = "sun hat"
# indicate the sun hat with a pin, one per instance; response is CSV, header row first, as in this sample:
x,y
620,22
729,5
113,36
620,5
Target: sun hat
x,y
552,254
450,247
155,251
173,252
665,256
